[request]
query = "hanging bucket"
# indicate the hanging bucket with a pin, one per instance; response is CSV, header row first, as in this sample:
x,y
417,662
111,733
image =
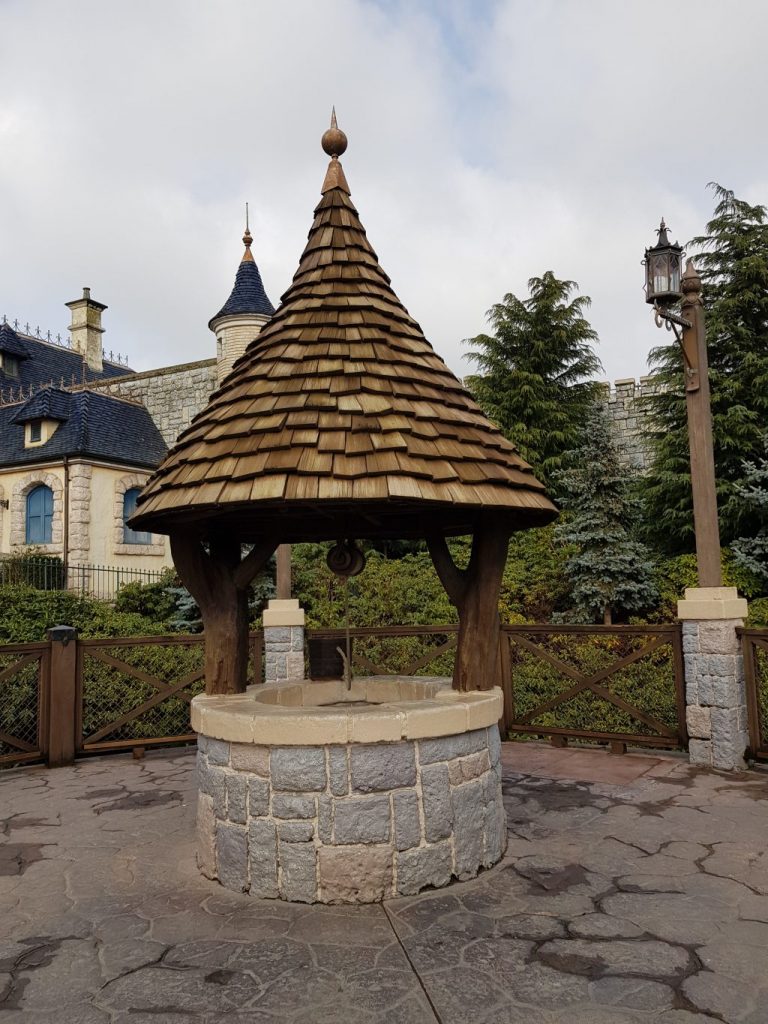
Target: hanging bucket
x,y
325,662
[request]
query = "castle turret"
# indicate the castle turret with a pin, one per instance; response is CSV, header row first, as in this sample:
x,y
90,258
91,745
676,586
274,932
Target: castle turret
x,y
243,315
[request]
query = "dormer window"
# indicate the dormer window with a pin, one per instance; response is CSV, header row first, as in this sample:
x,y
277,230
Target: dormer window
x,y
10,364
38,431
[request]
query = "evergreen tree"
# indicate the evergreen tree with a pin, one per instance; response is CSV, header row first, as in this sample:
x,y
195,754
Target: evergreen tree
x,y
732,258
535,369
610,571
752,552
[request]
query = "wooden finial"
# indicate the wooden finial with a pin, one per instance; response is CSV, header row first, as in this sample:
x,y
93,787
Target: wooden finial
x,y
247,238
334,141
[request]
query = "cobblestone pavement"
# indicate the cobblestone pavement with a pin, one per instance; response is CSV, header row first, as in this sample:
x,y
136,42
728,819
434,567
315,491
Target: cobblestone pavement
x,y
639,903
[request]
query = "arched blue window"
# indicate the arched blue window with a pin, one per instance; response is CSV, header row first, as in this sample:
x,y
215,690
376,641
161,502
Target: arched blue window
x,y
129,507
39,526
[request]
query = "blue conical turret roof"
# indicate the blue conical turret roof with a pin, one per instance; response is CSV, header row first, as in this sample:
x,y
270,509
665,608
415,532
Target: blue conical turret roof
x,y
248,295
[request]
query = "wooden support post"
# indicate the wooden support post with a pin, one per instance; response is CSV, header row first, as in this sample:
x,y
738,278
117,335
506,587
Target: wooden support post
x,y
475,593
218,580
283,573
63,692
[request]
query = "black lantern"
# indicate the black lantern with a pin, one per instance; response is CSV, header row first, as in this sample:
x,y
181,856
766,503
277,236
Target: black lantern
x,y
662,270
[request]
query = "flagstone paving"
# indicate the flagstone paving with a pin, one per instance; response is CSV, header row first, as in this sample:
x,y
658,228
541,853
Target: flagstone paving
x,y
638,900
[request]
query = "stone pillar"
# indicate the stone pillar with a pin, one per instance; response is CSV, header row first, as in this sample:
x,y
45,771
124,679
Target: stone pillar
x,y
716,711
284,642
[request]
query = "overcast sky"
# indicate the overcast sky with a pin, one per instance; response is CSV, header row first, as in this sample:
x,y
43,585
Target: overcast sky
x,y
488,142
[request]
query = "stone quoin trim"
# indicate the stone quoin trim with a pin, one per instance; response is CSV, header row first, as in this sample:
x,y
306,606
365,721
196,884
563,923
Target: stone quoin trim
x,y
157,547
19,512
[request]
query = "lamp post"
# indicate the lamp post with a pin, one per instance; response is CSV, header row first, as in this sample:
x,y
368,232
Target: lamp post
x,y
664,288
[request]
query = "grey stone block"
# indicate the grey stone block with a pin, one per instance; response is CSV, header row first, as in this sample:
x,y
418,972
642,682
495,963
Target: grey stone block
x,y
236,798
491,786
719,691
258,797
728,741
407,823
294,665
700,752
232,856
298,873
494,745
298,769
218,752
436,800
262,836
468,803
246,757
296,831
690,638
325,819
297,639
717,665
377,766
213,781
277,635
445,748
698,721
427,865
338,770
719,637
365,820
206,835
494,833
285,806
202,743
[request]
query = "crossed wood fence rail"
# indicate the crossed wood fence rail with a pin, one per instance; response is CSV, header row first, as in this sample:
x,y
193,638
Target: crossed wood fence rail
x,y
519,643
754,646
59,700
639,643
24,710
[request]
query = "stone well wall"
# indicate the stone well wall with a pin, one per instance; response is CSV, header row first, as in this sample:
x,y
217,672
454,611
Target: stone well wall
x,y
349,823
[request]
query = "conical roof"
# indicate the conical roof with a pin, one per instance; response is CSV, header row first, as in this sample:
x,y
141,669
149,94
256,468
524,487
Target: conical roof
x,y
248,294
340,419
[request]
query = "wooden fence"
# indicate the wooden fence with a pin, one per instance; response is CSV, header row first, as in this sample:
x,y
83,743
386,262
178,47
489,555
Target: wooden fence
x,y
754,645
611,684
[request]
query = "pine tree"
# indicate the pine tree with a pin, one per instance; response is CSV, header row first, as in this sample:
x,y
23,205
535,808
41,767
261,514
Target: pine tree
x,y
752,552
732,258
535,369
610,571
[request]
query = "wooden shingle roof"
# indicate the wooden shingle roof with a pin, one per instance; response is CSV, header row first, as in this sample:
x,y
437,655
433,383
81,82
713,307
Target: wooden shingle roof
x,y
340,418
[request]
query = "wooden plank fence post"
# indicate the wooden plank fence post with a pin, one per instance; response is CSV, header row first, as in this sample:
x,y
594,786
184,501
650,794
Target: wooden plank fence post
x,y
62,696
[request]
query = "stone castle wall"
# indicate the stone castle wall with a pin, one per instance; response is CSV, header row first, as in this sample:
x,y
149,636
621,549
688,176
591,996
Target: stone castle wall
x,y
624,403
173,395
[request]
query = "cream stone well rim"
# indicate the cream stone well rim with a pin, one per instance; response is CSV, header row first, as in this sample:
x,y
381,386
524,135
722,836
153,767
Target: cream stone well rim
x,y
379,709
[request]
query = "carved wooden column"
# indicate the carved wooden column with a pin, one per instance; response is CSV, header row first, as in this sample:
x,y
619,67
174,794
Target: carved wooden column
x,y
218,580
475,593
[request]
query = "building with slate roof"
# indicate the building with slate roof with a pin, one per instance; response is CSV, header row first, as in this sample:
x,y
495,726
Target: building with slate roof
x,y
81,433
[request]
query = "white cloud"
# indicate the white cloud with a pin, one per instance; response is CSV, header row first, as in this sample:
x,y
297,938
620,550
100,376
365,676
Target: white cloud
x,y
488,143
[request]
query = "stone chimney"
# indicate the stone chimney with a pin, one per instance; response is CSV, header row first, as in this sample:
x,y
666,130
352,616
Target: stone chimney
x,y
86,329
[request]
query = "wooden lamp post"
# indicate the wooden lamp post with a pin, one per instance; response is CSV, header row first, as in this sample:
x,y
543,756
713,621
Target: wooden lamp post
x,y
664,287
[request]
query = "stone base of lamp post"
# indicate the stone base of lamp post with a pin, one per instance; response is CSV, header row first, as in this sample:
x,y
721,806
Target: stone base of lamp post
x,y
716,711
284,642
